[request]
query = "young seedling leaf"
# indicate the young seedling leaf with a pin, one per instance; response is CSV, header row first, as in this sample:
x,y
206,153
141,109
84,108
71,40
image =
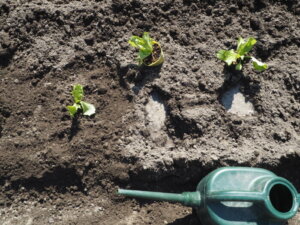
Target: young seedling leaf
x,y
240,42
77,93
137,42
241,53
73,109
239,66
228,56
87,108
144,44
244,47
260,66
148,41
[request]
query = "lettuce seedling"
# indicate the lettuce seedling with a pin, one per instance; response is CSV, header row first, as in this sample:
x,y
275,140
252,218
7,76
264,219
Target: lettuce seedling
x,y
144,44
150,52
87,109
237,57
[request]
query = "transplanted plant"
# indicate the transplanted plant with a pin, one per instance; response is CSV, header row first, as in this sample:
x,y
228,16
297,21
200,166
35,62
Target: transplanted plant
x,y
85,108
150,52
237,57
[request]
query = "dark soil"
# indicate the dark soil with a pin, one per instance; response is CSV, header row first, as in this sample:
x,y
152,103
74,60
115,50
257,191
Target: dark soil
x,y
159,129
154,55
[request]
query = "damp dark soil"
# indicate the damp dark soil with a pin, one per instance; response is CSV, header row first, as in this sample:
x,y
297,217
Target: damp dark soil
x,y
159,129
154,55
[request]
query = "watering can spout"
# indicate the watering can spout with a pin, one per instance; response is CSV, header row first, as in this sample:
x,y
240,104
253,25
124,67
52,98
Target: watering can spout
x,y
192,199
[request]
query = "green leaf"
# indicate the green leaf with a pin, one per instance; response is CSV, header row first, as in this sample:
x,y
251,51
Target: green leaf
x,y
137,42
240,41
144,44
143,54
239,66
228,56
148,41
77,93
245,47
87,108
73,109
260,66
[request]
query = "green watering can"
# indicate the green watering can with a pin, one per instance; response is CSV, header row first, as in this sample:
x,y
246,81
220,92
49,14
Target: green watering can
x,y
236,196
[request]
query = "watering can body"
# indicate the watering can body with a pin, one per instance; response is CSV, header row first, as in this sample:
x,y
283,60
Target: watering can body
x,y
241,195
236,196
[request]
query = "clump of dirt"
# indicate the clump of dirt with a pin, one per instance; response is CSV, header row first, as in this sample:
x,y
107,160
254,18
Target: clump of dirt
x,y
159,129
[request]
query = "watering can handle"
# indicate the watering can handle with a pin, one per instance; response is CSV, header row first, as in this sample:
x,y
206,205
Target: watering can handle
x,y
240,196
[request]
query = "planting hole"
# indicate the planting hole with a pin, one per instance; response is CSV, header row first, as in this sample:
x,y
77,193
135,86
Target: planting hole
x,y
234,102
281,198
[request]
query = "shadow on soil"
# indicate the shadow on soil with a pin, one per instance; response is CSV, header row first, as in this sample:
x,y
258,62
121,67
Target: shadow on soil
x,y
234,78
74,128
186,177
190,220
288,168
59,178
138,76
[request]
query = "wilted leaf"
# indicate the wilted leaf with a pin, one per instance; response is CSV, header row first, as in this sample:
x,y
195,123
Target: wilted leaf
x,y
87,108
260,66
